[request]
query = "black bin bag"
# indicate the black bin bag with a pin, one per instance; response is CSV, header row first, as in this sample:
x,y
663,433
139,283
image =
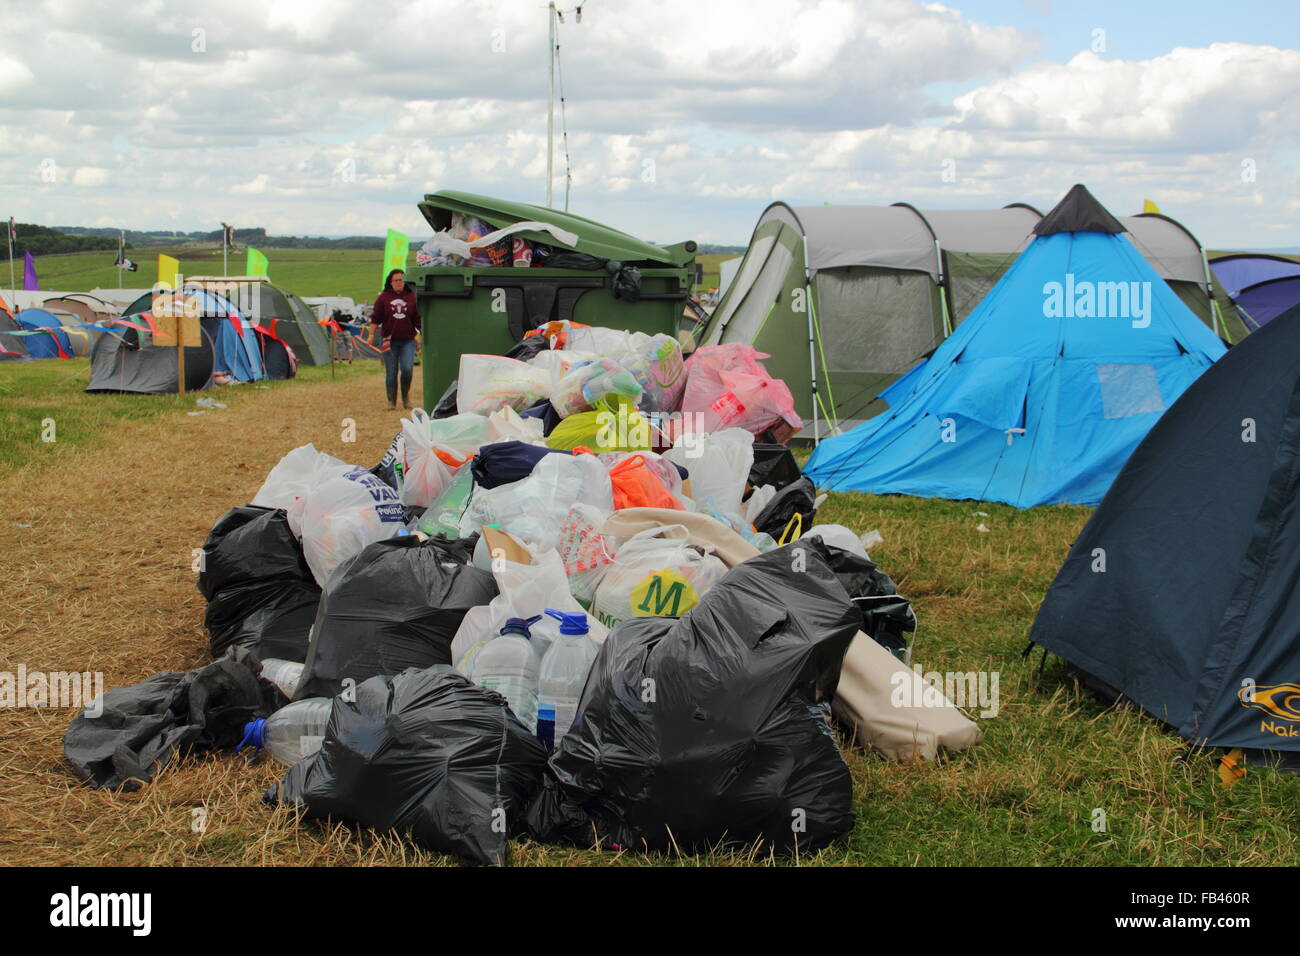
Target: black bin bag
x,y
773,465
713,727
799,498
139,727
887,616
261,594
429,754
397,605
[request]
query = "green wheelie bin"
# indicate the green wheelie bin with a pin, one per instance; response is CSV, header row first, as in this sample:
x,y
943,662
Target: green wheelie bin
x,y
487,309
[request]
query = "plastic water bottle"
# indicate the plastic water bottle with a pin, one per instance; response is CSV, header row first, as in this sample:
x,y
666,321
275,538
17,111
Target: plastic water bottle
x,y
563,674
509,665
292,732
286,675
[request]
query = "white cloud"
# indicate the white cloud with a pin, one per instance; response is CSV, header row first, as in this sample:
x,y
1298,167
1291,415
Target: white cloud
x,y
90,176
337,117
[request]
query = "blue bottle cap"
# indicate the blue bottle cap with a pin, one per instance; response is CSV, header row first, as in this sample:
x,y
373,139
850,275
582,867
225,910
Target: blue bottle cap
x,y
570,623
520,625
252,734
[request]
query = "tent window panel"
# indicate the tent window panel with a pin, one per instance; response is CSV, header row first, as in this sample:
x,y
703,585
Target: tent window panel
x,y
736,292
875,320
759,301
1129,389
970,277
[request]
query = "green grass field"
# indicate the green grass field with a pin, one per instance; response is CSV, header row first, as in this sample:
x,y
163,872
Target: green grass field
x,y
54,389
348,272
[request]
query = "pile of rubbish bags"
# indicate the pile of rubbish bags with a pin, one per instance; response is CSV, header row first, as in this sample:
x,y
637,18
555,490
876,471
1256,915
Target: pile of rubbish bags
x,y
587,601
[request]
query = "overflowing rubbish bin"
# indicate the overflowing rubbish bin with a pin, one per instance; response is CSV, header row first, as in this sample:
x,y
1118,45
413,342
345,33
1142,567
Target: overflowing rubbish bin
x,y
579,270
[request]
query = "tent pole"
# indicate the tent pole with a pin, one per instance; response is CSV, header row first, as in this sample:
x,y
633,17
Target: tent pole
x,y
812,346
943,291
1220,328
812,370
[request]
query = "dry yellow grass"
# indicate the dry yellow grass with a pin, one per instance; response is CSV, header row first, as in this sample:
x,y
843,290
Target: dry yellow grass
x,y
102,581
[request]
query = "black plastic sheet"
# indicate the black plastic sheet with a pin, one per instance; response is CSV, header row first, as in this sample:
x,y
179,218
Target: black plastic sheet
x,y
143,725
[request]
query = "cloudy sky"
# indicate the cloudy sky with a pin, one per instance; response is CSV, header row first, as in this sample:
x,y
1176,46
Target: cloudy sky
x,y
685,117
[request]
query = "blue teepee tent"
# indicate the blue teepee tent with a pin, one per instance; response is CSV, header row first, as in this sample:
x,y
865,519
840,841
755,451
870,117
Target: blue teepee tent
x,y
1042,393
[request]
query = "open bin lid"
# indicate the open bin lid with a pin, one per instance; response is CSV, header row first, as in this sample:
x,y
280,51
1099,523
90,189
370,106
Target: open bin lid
x,y
594,238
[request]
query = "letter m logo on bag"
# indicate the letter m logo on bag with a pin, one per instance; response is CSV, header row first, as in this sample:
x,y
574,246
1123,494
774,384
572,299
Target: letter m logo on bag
x,y
663,594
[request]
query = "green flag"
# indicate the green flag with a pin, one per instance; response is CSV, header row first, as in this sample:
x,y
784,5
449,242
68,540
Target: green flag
x,y
256,263
396,249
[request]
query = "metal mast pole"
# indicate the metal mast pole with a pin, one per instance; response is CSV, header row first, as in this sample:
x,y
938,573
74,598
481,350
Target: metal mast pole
x,y
550,99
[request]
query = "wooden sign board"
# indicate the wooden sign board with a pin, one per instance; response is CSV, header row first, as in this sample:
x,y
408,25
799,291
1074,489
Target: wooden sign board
x,y
166,337
167,310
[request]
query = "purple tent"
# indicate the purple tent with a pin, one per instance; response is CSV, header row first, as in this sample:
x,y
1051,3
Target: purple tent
x,y
1262,287
1265,301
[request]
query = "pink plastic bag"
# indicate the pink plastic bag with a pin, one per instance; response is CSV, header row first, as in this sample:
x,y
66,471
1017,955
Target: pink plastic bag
x,y
728,387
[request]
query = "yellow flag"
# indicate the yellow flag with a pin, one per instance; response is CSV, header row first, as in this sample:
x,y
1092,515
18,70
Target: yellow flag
x,y
1149,206
168,270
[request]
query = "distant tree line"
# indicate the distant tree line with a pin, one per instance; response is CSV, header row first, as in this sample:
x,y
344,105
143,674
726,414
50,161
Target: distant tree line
x,y
44,241
255,237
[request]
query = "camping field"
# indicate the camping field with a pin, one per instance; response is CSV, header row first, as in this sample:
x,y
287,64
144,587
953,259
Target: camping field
x,y
97,531
355,273
310,272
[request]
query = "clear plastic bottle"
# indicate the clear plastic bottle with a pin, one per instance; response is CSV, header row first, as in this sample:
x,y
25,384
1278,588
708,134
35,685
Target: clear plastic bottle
x,y
563,674
509,665
286,675
292,732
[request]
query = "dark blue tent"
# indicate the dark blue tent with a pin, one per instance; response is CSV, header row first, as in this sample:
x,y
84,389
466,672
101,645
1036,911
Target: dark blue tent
x,y
1046,388
1182,592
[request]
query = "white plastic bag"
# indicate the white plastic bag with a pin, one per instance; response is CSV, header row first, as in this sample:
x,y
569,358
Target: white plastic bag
x,y
838,536
459,436
293,478
759,499
343,515
598,340
660,368
719,465
533,508
558,362
489,382
584,551
655,573
425,475
505,424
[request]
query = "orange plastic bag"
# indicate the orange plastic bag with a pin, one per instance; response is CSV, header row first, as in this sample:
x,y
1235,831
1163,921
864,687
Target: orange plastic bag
x,y
636,486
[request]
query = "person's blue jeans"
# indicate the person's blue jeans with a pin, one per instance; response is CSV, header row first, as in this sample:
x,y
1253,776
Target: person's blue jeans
x,y
400,356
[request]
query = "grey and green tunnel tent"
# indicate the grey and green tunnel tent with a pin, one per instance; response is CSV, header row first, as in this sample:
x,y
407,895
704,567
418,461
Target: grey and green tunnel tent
x,y
849,298
1182,592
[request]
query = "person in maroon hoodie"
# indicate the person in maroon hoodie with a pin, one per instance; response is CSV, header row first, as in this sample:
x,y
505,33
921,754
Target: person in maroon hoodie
x,y
398,320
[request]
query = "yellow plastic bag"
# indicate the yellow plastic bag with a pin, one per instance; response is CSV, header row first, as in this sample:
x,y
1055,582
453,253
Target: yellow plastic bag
x,y
615,425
